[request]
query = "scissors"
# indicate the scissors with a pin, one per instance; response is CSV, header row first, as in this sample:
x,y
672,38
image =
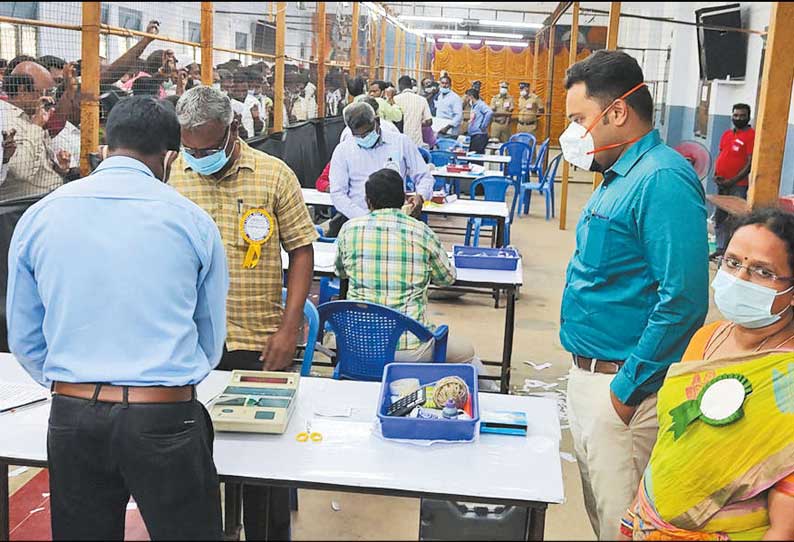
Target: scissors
x,y
307,435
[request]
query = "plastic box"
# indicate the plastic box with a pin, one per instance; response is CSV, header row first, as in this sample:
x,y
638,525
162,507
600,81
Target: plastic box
x,y
450,520
403,427
486,258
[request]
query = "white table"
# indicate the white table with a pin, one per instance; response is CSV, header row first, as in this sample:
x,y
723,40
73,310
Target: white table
x,y
468,280
497,210
485,158
509,470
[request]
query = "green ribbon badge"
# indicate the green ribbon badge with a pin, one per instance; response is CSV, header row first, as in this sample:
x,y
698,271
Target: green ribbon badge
x,y
718,403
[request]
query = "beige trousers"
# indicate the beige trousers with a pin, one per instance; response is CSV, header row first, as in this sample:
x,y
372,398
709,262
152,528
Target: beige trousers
x,y
458,351
611,455
502,131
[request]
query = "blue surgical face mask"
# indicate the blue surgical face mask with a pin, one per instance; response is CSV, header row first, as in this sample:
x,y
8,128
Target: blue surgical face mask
x,y
746,304
369,140
444,91
210,164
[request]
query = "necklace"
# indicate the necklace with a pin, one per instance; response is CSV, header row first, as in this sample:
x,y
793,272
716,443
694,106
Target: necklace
x,y
729,329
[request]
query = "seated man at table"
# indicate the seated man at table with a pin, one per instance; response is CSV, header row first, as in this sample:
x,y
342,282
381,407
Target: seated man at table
x,y
391,259
371,148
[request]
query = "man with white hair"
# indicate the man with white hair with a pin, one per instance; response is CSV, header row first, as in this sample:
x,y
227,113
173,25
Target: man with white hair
x,y
256,201
370,149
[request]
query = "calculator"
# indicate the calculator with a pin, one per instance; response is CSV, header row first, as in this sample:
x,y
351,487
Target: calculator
x,y
406,404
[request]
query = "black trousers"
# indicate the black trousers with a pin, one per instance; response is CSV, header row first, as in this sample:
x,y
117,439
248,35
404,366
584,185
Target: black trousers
x,y
161,454
336,224
478,143
261,522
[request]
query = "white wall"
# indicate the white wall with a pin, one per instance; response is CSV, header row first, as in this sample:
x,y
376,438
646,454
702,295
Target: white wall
x,y
174,18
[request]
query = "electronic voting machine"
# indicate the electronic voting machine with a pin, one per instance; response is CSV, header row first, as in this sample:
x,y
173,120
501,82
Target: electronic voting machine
x,y
256,402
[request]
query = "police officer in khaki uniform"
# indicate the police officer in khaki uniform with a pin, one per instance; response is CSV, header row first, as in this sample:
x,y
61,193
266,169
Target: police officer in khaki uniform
x,y
464,125
503,106
529,107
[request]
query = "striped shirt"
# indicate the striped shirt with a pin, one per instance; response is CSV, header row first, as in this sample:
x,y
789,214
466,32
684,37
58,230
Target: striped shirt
x,y
416,110
391,259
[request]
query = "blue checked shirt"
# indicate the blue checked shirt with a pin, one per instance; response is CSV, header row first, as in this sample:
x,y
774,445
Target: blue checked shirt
x,y
118,279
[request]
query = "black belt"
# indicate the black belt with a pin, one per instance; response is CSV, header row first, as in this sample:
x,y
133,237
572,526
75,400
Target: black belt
x,y
609,367
528,122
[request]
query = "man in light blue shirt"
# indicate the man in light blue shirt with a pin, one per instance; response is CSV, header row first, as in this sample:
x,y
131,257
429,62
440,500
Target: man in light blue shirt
x,y
479,121
449,106
116,298
637,285
369,150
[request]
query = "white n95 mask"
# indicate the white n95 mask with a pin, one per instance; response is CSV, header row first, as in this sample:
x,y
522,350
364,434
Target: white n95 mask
x,y
578,146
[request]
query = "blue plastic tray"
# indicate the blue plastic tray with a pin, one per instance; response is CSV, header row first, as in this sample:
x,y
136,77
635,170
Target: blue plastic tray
x,y
416,429
486,258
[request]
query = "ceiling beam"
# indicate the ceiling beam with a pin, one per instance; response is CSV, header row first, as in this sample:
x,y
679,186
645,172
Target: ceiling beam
x,y
558,12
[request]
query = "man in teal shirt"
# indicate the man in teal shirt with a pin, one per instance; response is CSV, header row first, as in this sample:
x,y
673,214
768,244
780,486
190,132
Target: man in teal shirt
x,y
637,285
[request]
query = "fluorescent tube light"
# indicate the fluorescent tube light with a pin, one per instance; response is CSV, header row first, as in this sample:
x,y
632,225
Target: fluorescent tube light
x,y
458,40
449,20
510,24
508,43
496,35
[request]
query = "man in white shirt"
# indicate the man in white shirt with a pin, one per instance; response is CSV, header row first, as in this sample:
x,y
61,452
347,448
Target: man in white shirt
x,y
245,104
68,139
370,149
305,107
416,110
7,150
385,125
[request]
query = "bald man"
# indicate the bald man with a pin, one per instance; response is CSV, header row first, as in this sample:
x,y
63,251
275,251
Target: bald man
x,y
32,170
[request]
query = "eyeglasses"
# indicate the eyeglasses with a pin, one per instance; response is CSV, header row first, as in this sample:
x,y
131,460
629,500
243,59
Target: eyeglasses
x,y
758,272
207,152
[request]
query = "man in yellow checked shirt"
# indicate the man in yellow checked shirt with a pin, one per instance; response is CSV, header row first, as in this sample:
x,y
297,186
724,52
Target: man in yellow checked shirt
x,y
256,202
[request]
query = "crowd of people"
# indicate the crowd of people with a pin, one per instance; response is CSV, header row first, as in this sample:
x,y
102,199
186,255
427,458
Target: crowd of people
x,y
125,290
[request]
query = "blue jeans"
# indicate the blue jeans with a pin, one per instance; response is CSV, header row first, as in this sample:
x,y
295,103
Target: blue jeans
x,y
722,219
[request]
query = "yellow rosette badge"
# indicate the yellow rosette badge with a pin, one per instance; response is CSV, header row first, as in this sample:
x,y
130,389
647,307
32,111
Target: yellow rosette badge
x,y
256,227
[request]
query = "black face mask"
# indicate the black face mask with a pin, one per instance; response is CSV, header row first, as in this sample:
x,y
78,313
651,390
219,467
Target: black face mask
x,y
741,124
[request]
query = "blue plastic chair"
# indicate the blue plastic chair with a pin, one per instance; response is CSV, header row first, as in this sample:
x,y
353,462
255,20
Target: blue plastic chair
x,y
520,156
495,189
446,144
313,319
545,186
537,167
442,158
425,154
329,287
529,139
367,336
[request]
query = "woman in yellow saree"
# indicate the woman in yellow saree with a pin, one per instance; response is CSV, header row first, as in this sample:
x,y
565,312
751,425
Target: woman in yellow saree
x,y
723,464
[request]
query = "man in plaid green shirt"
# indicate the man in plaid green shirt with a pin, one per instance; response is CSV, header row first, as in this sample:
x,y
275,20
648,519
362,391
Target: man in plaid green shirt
x,y
391,259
